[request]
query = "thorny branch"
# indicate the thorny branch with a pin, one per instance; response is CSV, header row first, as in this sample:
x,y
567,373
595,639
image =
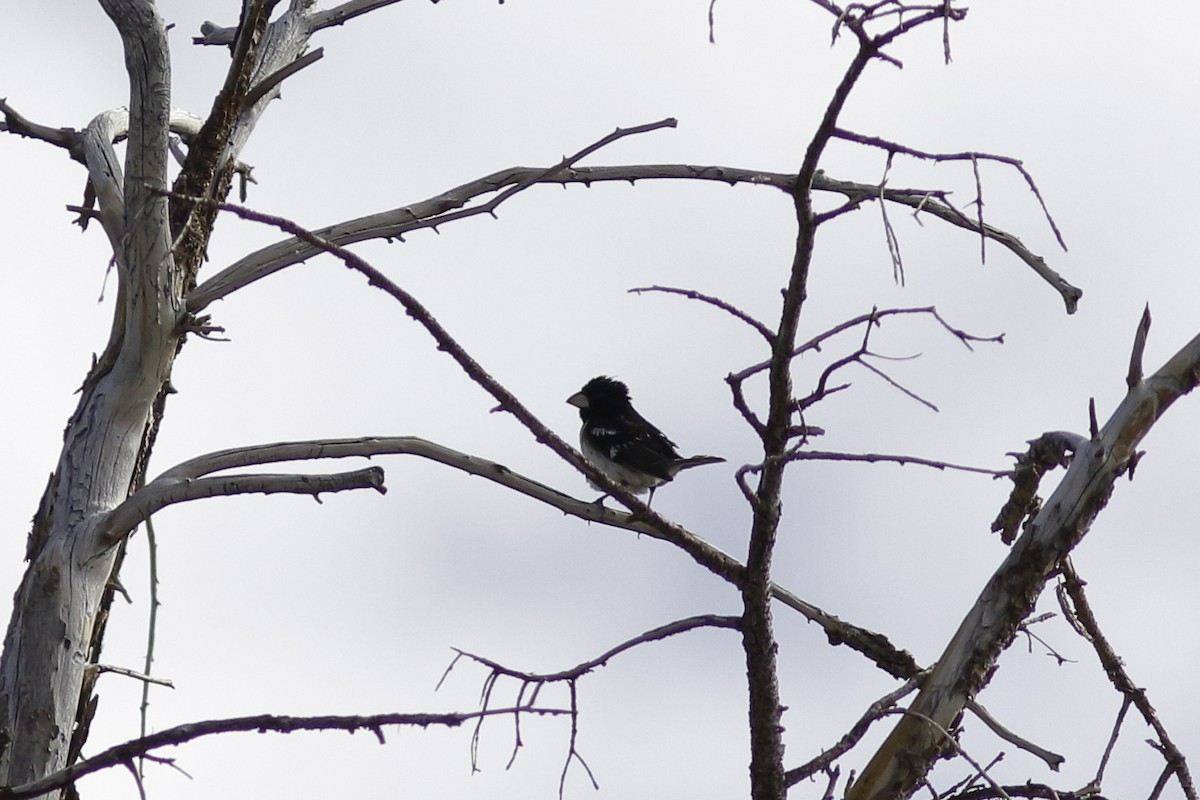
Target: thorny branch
x,y
967,662
1071,588
128,751
872,458
452,205
717,302
708,557
767,777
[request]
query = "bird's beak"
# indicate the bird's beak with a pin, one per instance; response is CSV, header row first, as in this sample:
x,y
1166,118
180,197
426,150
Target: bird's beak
x,y
579,400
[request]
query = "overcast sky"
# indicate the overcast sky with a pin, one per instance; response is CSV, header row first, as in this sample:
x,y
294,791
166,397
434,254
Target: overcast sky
x,y
280,605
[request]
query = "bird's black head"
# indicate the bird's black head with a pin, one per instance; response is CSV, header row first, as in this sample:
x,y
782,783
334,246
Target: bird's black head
x,y
601,395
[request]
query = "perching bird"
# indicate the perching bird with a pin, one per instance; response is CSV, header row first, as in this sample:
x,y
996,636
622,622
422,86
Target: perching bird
x,y
619,442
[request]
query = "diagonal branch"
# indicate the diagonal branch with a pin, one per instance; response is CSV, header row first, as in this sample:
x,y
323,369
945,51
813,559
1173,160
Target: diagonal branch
x,y
213,34
1114,666
874,712
714,560
340,14
876,647
280,75
926,202
730,309
973,157
989,627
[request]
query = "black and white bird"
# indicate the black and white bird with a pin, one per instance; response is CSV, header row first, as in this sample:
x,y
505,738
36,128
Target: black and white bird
x,y
619,442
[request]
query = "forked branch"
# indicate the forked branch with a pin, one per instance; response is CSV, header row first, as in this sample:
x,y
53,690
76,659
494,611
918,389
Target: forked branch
x,y
452,205
906,755
717,562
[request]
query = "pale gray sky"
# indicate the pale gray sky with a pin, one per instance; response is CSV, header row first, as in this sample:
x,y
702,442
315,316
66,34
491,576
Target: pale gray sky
x,y
284,606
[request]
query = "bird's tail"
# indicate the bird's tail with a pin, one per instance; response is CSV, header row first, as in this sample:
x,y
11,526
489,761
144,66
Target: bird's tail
x,y
697,461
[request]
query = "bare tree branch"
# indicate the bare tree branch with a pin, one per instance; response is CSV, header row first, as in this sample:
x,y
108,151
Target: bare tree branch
x,y
66,138
280,75
571,678
874,317
126,752
1053,760
714,560
344,12
875,712
990,626
1051,449
733,311
313,20
578,671
155,496
1114,667
973,157
99,669
872,458
876,647
449,206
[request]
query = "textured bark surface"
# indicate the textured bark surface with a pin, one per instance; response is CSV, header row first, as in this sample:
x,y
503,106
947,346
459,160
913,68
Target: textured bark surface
x,y
969,660
56,610
60,608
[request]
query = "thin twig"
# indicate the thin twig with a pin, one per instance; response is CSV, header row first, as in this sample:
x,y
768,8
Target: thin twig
x,y
1053,760
145,678
852,737
571,678
871,458
692,294
1114,667
874,317
957,748
896,384
1112,742
889,232
974,157
151,627
583,668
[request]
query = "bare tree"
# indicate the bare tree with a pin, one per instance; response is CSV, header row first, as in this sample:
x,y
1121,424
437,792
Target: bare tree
x,y
160,221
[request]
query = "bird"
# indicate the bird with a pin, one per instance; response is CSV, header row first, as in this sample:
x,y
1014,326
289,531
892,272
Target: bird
x,y
622,444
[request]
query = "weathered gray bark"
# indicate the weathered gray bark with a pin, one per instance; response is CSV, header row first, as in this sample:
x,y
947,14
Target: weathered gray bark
x,y
49,640
60,607
969,660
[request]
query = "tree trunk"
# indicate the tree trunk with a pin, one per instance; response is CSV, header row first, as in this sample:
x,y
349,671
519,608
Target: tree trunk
x,y
57,610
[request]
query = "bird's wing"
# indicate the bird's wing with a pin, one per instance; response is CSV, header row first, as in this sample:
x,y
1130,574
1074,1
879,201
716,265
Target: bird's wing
x,y
633,442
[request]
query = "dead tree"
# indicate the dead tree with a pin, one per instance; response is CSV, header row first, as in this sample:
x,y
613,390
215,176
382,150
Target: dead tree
x,y
160,230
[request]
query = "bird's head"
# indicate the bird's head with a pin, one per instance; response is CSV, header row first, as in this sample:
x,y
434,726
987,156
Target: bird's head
x,y
602,395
